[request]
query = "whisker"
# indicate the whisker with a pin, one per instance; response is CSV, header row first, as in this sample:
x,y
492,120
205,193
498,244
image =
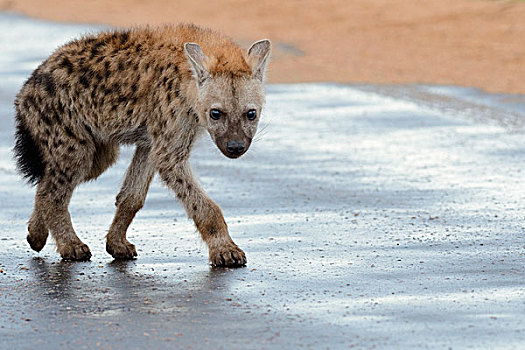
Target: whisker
x,y
262,131
259,137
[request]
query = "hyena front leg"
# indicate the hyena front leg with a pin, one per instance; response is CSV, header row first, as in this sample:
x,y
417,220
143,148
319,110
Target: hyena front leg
x,y
205,213
210,222
129,201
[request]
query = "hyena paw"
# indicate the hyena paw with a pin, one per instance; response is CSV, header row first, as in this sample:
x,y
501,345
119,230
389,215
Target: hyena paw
x,y
121,249
75,251
37,236
36,243
229,256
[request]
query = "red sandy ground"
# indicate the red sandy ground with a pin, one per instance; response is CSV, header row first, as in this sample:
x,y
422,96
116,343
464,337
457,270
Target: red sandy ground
x,y
460,42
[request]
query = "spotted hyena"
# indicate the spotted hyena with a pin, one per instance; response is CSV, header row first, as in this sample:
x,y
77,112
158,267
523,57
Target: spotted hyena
x,y
157,88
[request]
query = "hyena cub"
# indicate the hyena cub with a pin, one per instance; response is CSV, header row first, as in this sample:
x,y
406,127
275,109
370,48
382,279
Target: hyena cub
x,y
155,88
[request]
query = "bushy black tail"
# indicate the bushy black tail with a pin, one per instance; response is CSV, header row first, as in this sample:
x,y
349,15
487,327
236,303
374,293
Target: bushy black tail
x,y
27,154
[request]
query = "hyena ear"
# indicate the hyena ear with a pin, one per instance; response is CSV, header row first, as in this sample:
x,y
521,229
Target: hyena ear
x,y
259,54
196,58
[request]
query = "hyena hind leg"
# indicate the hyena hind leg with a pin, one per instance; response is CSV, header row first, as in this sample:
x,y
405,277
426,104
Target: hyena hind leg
x,y
92,162
68,164
51,202
38,230
129,201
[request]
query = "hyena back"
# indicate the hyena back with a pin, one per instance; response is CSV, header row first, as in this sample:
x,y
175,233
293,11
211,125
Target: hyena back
x,y
155,88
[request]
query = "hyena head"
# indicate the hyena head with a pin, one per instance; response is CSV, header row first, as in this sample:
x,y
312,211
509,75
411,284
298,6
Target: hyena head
x,y
229,102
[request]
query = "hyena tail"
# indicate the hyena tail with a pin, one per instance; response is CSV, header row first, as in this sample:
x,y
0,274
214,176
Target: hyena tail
x,y
27,154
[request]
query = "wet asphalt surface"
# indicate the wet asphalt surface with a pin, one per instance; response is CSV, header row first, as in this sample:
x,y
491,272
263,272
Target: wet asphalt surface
x,y
371,216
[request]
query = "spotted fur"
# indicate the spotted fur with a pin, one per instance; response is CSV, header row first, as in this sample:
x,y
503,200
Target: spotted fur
x,y
152,87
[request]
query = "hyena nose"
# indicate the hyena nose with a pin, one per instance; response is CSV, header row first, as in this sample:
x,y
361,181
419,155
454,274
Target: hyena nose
x,y
235,147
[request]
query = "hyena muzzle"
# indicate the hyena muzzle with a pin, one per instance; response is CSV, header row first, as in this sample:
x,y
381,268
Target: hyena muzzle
x,y
154,88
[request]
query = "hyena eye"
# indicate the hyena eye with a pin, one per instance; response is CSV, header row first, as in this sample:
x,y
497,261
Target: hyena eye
x,y
215,114
251,114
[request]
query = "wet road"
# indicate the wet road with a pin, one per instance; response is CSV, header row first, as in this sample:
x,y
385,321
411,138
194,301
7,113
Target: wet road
x,y
371,216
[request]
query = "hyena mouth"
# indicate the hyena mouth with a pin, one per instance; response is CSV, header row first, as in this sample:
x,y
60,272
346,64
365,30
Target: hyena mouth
x,y
231,156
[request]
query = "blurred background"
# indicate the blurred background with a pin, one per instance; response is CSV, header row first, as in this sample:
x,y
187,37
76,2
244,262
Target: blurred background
x,y
452,42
